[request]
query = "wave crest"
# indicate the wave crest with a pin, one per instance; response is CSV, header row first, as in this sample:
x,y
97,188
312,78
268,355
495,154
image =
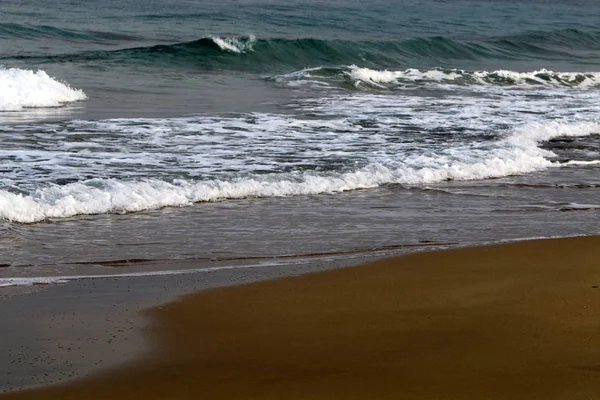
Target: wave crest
x,y
266,53
235,45
367,78
21,88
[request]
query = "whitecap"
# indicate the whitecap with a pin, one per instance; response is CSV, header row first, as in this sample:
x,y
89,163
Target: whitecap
x,y
22,88
235,45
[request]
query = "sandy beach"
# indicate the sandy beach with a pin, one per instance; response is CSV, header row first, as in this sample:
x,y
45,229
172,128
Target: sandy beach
x,y
512,321
309,199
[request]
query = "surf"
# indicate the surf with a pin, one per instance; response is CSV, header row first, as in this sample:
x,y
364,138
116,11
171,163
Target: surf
x,y
23,88
517,153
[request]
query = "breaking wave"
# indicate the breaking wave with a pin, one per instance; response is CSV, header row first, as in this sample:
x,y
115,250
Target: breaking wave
x,y
456,76
21,88
367,78
517,153
268,54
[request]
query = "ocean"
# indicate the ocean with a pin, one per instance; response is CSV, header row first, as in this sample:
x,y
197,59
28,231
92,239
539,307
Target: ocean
x,y
140,135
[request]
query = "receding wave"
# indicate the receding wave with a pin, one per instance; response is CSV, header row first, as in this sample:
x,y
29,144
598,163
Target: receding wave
x,y
250,53
518,153
20,88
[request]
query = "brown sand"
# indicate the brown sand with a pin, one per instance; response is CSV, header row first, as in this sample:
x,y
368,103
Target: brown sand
x,y
516,321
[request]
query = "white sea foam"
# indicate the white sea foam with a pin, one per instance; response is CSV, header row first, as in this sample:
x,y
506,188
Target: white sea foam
x,y
367,77
517,153
328,144
20,88
582,162
383,78
378,77
542,77
533,133
235,45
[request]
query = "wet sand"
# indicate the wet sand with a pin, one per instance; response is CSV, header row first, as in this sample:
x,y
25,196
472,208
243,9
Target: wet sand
x,y
59,332
515,321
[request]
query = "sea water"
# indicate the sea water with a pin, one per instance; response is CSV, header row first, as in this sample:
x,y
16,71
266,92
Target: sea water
x,y
143,133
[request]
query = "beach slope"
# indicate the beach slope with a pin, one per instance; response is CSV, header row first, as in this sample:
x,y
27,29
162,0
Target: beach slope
x,y
513,321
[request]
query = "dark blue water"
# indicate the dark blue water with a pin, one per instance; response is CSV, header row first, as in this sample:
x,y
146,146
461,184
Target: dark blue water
x,y
190,130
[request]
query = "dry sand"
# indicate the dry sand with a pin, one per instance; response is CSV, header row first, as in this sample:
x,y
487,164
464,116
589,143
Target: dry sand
x,y
515,321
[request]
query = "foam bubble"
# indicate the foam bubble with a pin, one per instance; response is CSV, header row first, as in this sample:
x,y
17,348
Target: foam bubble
x,y
21,88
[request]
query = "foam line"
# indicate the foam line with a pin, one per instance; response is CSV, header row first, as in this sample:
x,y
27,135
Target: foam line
x,y
542,77
517,153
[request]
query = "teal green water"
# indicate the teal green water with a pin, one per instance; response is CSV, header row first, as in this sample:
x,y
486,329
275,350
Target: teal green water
x,y
108,47
224,129
161,55
569,46
397,34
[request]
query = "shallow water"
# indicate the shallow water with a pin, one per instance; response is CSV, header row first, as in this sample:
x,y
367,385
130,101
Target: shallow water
x,y
237,132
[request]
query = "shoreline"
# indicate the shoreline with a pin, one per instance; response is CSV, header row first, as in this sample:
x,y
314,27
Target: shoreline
x,y
513,320
58,332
